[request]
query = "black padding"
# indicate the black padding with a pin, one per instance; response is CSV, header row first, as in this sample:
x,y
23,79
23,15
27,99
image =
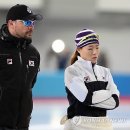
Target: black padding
x,y
116,99
96,85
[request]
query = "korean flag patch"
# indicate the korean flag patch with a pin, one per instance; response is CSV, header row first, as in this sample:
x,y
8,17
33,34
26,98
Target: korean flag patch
x,y
31,63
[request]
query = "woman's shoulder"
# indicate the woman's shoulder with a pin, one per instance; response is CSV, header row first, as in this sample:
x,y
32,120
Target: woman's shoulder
x,y
71,69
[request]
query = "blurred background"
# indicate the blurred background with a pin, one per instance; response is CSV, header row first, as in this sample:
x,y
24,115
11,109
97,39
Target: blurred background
x,y
54,38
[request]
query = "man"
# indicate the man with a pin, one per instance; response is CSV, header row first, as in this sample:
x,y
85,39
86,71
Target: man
x,y
19,65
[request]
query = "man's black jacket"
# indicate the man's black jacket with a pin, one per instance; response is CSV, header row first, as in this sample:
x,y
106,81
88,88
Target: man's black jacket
x,y
19,65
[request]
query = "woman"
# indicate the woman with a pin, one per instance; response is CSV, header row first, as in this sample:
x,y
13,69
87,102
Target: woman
x,y
90,88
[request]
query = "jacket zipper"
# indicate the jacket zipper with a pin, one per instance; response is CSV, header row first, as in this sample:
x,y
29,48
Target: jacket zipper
x,y
27,68
21,63
20,57
94,72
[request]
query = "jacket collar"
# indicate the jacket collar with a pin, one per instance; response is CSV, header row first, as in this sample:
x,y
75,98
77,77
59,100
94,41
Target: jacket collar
x,y
8,38
85,64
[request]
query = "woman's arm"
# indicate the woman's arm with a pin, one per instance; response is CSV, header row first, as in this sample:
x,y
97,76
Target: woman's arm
x,y
75,83
113,101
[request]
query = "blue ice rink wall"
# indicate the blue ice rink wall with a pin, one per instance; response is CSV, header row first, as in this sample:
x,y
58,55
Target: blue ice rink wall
x,y
51,85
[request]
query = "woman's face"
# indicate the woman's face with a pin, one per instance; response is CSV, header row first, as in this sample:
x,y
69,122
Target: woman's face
x,y
89,52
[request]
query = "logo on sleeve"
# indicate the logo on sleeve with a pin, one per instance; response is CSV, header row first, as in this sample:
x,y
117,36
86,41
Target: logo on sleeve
x,y
31,63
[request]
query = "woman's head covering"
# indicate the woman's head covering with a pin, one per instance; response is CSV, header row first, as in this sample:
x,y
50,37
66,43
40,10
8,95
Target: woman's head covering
x,y
85,37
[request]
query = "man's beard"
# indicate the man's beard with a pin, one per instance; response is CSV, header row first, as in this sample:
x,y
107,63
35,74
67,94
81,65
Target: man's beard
x,y
27,36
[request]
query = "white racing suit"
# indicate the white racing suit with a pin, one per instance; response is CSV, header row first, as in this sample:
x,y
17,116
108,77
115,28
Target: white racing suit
x,y
91,91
